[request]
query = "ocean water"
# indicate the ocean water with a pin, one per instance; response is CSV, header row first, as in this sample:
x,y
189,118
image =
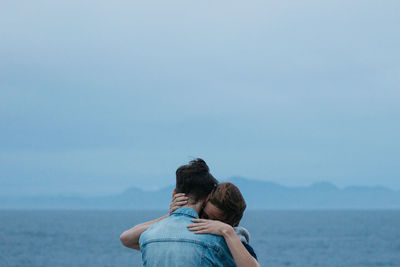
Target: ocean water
x,y
280,238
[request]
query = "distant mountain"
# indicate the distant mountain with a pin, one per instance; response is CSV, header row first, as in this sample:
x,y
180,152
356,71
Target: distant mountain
x,y
258,195
322,195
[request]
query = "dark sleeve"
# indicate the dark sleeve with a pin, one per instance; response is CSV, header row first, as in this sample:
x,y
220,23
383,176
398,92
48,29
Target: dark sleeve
x,y
250,250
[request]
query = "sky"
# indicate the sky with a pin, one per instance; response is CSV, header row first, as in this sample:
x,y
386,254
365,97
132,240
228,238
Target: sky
x,y
98,96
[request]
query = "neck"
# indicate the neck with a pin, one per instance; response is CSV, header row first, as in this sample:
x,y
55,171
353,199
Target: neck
x,y
197,207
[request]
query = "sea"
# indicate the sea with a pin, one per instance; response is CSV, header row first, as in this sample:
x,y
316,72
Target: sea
x,y
280,238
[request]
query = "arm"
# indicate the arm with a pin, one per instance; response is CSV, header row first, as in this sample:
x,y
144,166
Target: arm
x,y
130,238
240,254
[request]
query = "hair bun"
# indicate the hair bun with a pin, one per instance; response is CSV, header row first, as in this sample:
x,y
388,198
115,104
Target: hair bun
x,y
200,165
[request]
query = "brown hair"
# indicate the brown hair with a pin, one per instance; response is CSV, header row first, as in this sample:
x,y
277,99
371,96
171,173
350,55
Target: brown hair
x,y
195,180
229,200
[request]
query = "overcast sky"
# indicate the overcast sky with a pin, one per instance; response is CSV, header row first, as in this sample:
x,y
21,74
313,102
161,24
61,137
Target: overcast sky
x,y
97,96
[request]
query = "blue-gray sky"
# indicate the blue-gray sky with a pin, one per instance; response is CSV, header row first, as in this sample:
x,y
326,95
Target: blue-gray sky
x,y
97,96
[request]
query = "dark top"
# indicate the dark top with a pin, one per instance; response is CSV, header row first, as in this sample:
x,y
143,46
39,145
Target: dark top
x,y
250,250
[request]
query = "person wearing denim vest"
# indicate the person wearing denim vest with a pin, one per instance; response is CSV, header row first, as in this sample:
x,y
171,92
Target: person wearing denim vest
x,y
169,243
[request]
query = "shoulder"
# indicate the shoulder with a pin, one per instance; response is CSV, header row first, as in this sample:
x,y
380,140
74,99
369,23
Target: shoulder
x,y
175,228
211,240
155,230
243,234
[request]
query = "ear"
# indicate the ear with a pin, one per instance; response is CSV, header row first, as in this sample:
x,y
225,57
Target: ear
x,y
174,192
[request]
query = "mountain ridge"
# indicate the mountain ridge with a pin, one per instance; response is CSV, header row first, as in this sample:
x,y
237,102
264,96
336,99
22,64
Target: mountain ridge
x,y
258,195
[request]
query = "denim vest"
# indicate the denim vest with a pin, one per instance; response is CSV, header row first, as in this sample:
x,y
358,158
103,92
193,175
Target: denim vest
x,y
169,243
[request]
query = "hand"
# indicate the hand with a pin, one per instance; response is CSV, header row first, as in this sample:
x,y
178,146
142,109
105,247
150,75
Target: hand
x,y
203,226
178,201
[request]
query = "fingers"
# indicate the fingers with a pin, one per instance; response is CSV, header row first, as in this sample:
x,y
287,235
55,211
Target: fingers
x,y
196,225
200,220
180,200
198,228
180,203
179,195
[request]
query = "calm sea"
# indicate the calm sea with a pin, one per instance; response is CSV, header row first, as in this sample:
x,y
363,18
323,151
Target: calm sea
x,y
280,238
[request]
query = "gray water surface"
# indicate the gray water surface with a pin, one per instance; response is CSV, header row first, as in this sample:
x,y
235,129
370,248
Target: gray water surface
x,y
280,238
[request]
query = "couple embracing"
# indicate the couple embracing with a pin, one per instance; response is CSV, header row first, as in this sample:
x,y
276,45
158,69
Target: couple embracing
x,y
202,228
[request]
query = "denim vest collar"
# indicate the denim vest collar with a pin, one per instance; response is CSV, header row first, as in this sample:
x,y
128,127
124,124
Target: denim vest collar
x,y
187,211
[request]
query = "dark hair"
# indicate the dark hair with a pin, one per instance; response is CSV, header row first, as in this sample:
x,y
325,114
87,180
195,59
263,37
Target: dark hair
x,y
229,200
195,180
